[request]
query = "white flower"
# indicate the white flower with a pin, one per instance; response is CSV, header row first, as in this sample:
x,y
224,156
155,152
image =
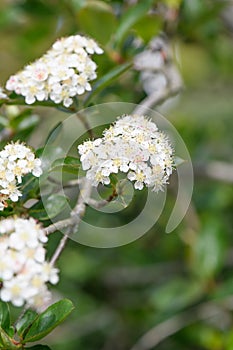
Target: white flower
x,y
157,70
24,270
40,301
61,73
49,273
132,145
16,160
15,290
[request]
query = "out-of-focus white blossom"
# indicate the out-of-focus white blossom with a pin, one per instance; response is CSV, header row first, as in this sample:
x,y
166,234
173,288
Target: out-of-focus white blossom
x,y
24,272
3,95
158,71
16,160
61,73
132,145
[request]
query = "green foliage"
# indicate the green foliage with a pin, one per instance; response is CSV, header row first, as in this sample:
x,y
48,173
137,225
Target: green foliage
x,y
92,15
130,17
31,326
51,206
68,164
4,316
209,250
25,322
106,80
48,320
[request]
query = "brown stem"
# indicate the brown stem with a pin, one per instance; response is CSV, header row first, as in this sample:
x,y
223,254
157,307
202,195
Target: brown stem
x,y
73,222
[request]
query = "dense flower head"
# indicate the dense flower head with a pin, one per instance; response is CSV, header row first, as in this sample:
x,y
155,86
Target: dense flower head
x,y
16,160
24,270
63,72
132,145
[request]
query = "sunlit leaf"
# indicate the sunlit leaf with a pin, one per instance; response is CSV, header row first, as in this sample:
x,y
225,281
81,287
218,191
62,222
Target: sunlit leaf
x,y
48,320
107,79
130,17
6,342
25,321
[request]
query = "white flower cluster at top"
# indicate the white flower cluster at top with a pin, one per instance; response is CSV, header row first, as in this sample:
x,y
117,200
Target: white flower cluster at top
x,y
24,271
16,160
61,73
132,145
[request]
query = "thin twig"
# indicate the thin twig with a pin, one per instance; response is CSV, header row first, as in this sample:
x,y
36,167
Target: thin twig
x,y
59,249
59,225
155,99
77,212
97,204
173,87
73,222
215,170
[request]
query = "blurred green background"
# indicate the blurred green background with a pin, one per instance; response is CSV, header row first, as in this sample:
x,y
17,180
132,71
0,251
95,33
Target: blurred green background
x,y
177,285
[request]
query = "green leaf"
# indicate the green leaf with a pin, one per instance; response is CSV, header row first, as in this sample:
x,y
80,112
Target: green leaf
x,y
107,79
134,14
24,123
209,250
4,316
148,26
6,342
78,4
22,326
67,164
18,118
55,204
51,207
48,320
11,331
179,289
54,133
29,123
94,13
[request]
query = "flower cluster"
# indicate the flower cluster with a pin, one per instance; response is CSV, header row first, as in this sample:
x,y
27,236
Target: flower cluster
x,y
61,73
24,271
132,145
16,160
151,63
